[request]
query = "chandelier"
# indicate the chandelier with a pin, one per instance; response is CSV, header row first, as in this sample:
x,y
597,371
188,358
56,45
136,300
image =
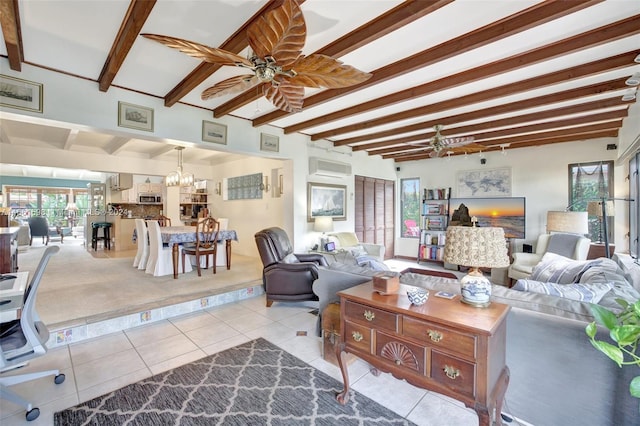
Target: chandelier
x,y
179,178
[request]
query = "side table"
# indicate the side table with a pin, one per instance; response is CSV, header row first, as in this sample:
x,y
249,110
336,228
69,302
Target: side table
x,y
444,345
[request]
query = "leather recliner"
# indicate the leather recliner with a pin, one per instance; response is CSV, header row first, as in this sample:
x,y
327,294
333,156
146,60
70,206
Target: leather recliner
x,y
286,276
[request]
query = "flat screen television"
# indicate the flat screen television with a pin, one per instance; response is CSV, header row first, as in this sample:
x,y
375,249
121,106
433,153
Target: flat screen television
x,y
504,212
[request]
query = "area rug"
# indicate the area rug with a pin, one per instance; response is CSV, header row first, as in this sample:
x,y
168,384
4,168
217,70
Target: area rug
x,y
255,383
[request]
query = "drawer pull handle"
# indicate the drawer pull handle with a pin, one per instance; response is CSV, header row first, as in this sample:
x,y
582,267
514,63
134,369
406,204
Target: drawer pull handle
x,y
434,335
357,336
451,372
369,316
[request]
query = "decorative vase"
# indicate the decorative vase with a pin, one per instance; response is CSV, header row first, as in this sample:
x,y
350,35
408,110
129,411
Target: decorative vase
x,y
475,289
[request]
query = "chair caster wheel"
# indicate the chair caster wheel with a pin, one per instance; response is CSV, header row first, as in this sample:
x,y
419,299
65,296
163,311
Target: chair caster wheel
x,y
59,379
32,414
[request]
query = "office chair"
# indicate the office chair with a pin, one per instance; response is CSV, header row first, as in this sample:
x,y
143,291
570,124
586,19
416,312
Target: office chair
x,y
24,339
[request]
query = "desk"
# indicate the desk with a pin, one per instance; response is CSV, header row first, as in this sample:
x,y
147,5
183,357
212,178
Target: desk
x,y
8,249
444,345
12,296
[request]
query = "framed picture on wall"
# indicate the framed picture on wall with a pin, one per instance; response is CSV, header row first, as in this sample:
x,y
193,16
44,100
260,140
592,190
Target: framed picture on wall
x,y
269,142
135,117
325,199
20,94
214,132
484,183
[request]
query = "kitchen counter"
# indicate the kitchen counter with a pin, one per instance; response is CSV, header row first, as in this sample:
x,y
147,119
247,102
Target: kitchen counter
x,y
121,231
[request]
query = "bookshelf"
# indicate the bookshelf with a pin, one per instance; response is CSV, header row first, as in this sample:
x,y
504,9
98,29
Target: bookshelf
x,y
434,219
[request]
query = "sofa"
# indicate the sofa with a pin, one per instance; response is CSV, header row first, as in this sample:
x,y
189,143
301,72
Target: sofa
x,y
348,242
557,377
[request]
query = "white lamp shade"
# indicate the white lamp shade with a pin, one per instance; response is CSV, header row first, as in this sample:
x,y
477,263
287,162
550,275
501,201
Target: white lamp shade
x,y
569,222
323,224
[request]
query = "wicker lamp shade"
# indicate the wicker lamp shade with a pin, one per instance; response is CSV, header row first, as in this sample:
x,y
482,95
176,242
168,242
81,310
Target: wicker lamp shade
x,y
476,248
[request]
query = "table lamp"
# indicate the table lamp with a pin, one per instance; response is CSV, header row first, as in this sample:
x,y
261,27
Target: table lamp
x,y
567,221
476,248
323,224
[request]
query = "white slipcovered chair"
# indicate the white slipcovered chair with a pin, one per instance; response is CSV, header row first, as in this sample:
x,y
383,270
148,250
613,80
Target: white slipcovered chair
x,y
221,260
575,247
160,260
348,241
142,255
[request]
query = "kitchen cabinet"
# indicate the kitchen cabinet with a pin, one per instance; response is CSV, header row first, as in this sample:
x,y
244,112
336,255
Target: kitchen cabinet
x,y
123,234
97,198
121,181
150,188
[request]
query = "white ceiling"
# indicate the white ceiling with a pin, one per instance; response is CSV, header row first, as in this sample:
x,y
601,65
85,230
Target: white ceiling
x,y
76,38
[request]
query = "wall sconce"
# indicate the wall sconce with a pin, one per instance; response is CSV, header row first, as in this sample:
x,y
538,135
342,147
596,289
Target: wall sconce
x,y
265,184
219,188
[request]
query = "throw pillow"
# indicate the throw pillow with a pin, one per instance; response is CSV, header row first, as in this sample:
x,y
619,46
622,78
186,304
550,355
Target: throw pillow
x,y
372,263
358,251
563,244
290,258
559,269
591,293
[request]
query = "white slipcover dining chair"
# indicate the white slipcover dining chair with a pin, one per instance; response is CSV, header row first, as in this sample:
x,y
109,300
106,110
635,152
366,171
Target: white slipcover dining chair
x,y
160,260
142,239
221,259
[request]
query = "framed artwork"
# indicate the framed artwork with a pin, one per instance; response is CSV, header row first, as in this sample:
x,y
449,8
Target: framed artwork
x,y
269,143
135,117
20,94
324,199
484,183
214,132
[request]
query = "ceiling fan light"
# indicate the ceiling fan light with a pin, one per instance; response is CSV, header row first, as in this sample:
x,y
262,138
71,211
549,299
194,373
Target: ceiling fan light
x,y
637,59
634,80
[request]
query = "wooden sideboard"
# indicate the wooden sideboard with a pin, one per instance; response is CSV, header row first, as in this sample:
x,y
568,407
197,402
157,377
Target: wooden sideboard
x,y
8,249
444,345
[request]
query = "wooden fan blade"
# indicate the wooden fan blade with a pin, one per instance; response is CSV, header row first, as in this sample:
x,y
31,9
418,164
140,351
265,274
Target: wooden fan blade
x,y
200,51
280,33
324,71
454,142
286,97
235,84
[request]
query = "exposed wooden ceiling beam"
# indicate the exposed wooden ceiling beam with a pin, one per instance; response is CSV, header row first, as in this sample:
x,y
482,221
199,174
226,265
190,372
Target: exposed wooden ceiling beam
x,y
521,21
386,23
608,33
548,125
132,23
608,133
236,43
485,71
556,112
10,21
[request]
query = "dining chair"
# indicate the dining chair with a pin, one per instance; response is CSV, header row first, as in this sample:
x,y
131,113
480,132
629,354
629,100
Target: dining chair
x,y
222,250
163,220
160,260
206,244
142,255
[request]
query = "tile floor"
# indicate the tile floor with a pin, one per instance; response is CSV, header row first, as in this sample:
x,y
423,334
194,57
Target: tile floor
x,y
94,367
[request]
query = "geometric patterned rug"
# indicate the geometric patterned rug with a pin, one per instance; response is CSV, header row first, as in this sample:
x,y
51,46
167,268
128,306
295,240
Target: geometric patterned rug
x,y
255,383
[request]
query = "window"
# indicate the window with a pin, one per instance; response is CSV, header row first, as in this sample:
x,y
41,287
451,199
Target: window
x,y
634,206
410,207
51,203
591,182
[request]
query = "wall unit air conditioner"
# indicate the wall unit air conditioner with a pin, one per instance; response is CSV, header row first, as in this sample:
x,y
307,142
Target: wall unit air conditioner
x,y
324,167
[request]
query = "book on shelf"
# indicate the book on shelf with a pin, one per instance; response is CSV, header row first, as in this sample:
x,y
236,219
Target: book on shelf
x,y
433,209
437,194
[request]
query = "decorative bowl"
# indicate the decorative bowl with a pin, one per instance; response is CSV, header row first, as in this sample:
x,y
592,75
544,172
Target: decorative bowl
x,y
418,296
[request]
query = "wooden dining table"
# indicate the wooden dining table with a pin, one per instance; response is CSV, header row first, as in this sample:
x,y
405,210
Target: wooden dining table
x,y
173,236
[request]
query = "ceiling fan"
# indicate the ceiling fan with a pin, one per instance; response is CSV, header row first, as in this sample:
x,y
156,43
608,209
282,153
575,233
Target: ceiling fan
x,y
441,145
276,41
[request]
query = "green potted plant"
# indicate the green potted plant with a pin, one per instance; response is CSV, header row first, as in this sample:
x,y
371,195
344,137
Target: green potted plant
x,y
624,330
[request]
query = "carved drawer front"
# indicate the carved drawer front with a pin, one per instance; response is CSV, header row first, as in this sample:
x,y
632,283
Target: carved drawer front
x,y
456,374
376,318
357,336
400,353
439,336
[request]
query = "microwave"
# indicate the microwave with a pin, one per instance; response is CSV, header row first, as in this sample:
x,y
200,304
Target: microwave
x,y
149,198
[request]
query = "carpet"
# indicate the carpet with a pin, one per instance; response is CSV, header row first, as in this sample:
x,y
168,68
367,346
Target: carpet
x,y
255,383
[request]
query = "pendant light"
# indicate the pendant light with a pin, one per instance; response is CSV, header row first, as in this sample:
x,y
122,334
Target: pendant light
x,y
179,177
